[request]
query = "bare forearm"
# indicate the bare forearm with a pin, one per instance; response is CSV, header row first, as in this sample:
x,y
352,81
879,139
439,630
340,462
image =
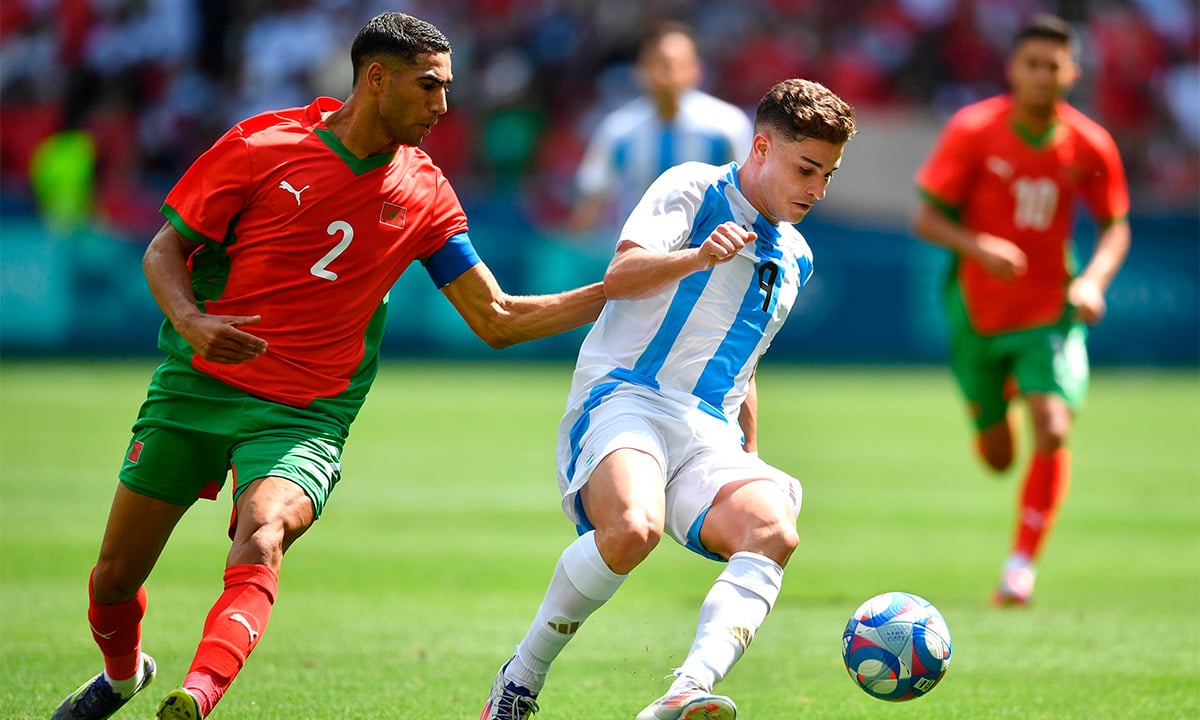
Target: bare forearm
x,y
1112,246
520,318
998,256
501,320
637,273
932,226
165,266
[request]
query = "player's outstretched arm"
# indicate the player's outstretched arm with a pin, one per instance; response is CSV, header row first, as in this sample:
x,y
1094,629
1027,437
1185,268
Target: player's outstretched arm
x,y
636,272
213,337
501,320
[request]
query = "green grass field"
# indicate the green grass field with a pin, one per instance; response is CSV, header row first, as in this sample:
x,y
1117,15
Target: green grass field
x,y
436,548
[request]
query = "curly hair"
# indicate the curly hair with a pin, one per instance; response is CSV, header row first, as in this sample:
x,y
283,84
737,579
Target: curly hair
x,y
800,109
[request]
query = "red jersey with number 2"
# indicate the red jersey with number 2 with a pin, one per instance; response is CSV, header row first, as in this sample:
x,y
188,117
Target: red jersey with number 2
x,y
315,239
1001,181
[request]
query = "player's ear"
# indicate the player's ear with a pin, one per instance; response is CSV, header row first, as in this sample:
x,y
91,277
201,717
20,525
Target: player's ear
x,y
375,75
1073,73
761,145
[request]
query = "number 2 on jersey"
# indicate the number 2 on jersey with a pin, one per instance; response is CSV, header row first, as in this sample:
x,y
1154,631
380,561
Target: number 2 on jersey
x,y
335,227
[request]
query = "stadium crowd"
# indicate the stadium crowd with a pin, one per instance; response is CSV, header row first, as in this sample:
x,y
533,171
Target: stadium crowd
x,y
149,84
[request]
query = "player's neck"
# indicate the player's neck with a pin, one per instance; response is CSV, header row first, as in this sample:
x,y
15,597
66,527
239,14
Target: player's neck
x,y
749,187
668,106
1035,120
354,136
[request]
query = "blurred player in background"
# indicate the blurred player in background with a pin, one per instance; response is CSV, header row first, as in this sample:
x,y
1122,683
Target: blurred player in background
x,y
660,428
999,189
273,269
670,123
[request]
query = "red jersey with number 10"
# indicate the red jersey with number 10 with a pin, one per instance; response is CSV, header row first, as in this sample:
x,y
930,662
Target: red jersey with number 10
x,y
300,231
997,179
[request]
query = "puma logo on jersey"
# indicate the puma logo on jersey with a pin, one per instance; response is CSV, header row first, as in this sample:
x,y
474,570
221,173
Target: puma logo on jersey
x,y
999,166
240,618
285,185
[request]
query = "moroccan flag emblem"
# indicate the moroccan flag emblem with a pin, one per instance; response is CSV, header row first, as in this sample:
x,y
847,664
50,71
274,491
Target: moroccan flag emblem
x,y
135,452
393,215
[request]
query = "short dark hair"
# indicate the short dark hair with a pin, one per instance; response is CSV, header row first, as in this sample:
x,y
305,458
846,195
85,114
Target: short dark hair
x,y
398,35
1046,27
667,27
800,109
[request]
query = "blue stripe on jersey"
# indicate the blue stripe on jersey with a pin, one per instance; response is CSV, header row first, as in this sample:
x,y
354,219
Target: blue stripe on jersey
x,y
451,260
632,376
719,151
621,156
712,212
744,334
682,304
666,149
735,349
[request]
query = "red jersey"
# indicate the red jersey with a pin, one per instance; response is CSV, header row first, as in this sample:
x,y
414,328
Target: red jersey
x,y
995,178
300,231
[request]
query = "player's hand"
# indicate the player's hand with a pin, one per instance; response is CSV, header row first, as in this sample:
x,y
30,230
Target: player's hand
x,y
1088,300
726,240
216,338
1000,258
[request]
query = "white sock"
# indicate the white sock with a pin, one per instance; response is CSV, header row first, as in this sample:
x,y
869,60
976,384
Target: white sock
x,y
1016,560
581,583
125,688
732,612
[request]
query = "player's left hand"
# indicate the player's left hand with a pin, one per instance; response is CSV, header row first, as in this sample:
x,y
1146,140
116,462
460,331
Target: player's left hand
x,y
1088,300
726,240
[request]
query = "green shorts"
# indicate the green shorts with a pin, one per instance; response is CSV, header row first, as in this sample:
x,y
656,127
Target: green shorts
x,y
1043,360
193,430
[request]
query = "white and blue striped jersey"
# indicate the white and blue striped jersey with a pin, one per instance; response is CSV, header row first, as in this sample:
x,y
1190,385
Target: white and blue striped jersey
x,y
633,145
700,339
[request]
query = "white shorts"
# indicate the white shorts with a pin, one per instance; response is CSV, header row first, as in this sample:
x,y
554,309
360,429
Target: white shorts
x,y
698,453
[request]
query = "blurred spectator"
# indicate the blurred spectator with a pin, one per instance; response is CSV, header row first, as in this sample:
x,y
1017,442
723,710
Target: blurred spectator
x,y
62,168
536,75
672,121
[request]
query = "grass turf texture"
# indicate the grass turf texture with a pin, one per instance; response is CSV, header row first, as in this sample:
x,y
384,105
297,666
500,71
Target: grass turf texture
x,y
436,548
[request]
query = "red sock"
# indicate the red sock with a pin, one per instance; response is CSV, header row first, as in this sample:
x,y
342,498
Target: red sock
x,y
117,629
1045,488
232,629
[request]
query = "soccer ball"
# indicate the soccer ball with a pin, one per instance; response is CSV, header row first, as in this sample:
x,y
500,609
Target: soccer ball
x,y
896,646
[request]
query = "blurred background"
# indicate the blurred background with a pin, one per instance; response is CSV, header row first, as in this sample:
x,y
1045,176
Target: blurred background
x,y
104,103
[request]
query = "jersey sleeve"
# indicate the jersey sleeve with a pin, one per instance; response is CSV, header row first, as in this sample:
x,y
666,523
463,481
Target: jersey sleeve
x,y
212,192
454,258
1104,188
448,252
662,220
597,173
945,177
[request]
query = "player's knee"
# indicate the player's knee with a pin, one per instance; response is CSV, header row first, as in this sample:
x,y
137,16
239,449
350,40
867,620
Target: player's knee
x,y
110,585
1051,423
775,538
260,544
1051,437
633,538
779,540
996,450
998,460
